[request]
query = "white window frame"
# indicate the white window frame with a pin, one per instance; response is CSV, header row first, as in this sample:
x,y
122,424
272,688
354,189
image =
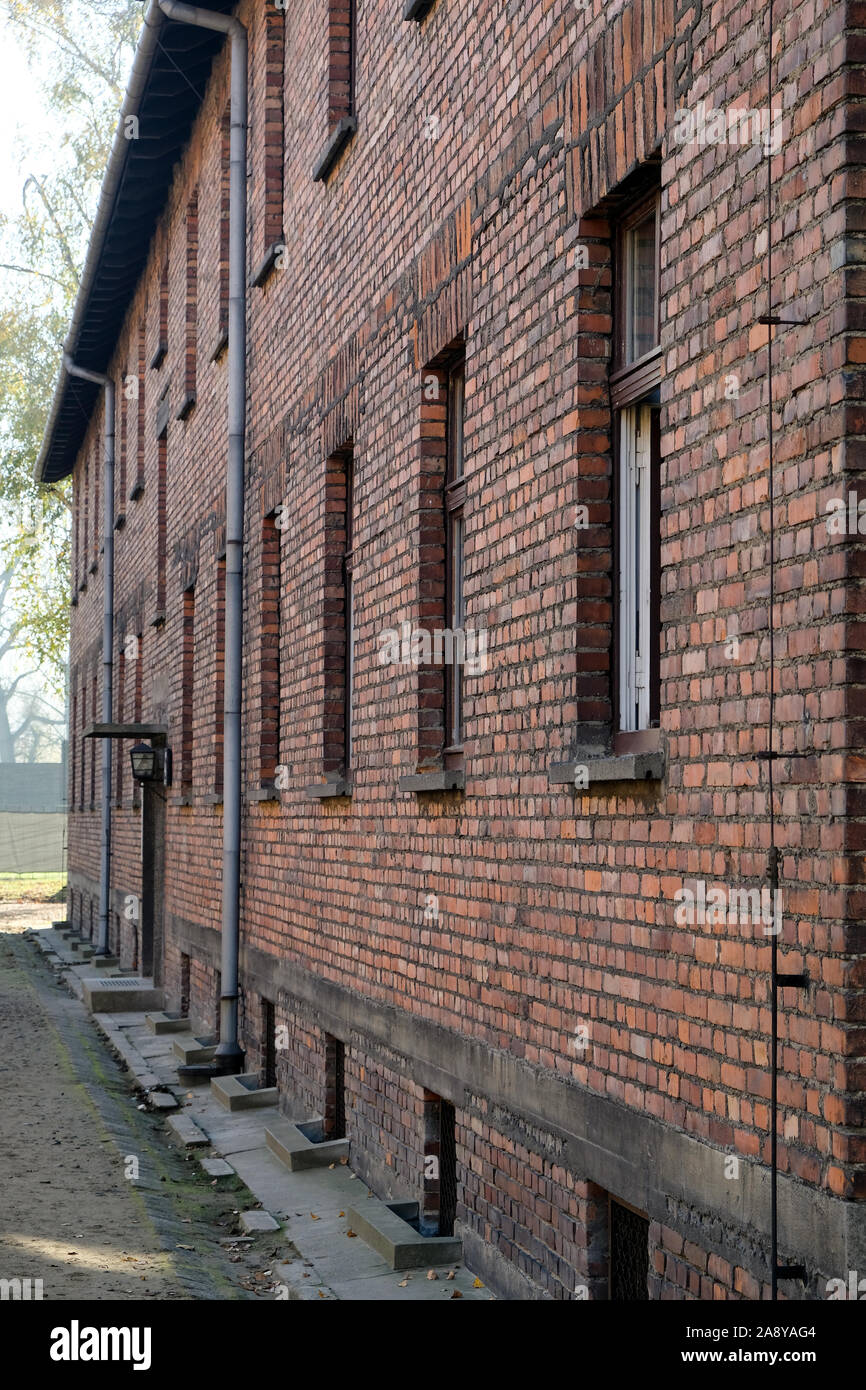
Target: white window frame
x,y
635,567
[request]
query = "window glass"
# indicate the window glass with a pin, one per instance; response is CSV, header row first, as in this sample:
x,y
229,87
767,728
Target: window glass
x,y
641,306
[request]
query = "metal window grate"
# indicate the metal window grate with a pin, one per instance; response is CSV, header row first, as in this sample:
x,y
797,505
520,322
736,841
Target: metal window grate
x,y
447,1169
629,1255
339,1089
269,1044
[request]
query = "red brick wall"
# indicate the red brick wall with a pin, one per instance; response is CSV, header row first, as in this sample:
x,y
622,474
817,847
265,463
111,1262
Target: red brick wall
x,y
556,908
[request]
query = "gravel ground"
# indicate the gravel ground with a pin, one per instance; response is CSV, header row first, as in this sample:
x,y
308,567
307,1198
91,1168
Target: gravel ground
x,y
73,1213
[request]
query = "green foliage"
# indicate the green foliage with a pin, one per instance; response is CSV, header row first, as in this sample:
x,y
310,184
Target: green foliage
x,y
81,53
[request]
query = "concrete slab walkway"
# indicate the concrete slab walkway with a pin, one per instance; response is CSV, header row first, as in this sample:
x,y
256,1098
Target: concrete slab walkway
x,y
310,1205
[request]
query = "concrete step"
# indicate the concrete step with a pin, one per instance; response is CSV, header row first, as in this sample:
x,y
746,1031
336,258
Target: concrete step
x,y
385,1228
167,1023
106,962
187,1131
242,1092
192,1049
296,1150
120,994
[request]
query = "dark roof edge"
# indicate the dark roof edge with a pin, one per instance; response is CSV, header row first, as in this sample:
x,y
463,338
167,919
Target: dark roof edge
x,y
144,53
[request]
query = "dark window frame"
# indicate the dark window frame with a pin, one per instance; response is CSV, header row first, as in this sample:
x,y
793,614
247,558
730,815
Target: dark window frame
x,y
455,552
348,573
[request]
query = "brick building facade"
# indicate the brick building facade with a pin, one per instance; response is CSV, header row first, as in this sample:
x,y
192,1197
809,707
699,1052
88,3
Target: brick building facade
x,y
478,947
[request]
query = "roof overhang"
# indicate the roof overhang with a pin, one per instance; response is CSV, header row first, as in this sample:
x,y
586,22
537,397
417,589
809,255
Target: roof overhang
x,y
169,76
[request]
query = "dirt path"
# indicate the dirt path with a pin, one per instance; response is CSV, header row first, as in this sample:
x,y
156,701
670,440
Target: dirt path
x,y
92,1200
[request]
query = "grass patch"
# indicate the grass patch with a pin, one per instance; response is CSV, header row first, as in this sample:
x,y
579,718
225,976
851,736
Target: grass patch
x,y
32,888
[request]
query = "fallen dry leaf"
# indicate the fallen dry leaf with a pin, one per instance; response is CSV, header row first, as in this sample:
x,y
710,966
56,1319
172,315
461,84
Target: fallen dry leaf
x,y
314,1216
431,1274
477,1284
456,1294
353,1234
450,1274
403,1284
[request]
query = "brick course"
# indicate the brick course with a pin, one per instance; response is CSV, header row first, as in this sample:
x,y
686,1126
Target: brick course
x,y
555,907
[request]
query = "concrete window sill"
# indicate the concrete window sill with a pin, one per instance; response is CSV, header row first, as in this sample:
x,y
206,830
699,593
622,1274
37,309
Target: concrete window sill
x,y
186,406
267,264
417,9
324,791
334,146
602,766
264,794
447,780
220,344
212,799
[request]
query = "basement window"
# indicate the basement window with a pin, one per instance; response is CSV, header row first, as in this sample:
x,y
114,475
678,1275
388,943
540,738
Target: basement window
x,y
629,1253
268,1045
335,1088
184,985
439,1206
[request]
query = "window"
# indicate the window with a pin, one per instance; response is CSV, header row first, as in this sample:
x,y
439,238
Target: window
x,y
338,599
93,742
349,616
342,121
272,221
85,549
439,1203
219,683
121,473
268,1052
335,1088
191,309
76,550
629,1253
269,738
138,483
161,520
137,702
635,381
187,691
222,333
119,697
161,348
73,751
184,985
455,497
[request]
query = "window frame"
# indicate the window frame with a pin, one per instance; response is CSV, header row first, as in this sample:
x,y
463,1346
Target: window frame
x,y
634,392
455,553
348,570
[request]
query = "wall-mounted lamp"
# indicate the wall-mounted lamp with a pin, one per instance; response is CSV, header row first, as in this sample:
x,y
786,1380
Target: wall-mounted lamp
x,y
151,764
